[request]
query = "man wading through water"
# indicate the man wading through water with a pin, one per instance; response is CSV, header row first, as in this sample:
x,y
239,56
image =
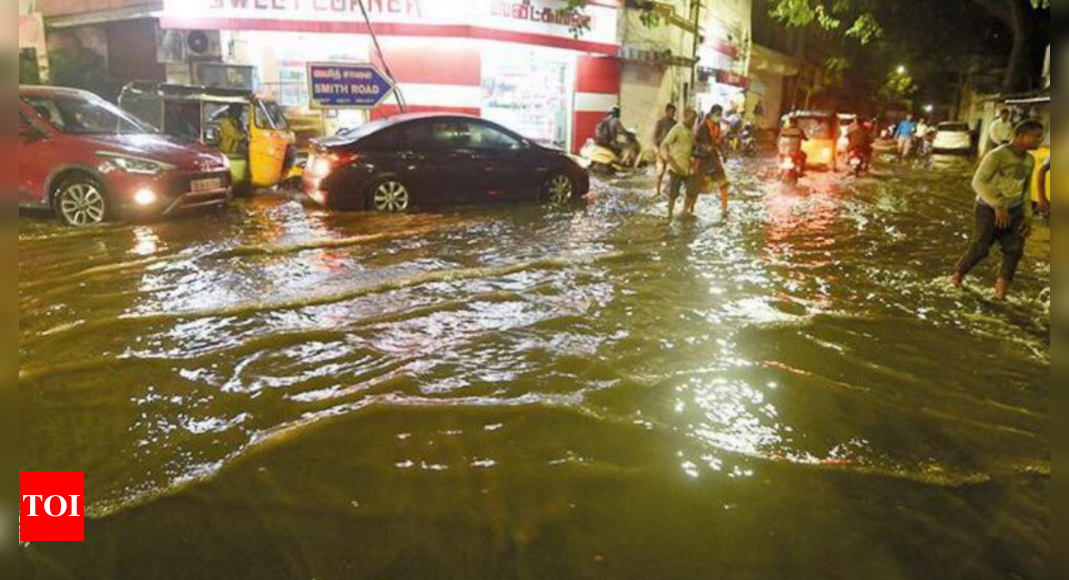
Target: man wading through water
x,y
1004,206
677,150
660,132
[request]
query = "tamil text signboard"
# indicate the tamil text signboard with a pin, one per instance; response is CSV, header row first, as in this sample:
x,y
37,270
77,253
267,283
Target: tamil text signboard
x,y
527,21
347,86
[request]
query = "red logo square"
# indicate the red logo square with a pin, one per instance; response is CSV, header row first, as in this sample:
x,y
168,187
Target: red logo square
x,y
52,506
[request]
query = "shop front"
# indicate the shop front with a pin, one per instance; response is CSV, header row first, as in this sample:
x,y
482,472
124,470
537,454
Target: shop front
x,y
521,63
33,52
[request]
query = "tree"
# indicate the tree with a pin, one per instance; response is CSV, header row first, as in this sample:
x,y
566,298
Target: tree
x,y
1017,16
858,19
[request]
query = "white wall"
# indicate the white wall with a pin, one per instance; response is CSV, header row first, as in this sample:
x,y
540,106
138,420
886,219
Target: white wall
x,y
645,88
772,99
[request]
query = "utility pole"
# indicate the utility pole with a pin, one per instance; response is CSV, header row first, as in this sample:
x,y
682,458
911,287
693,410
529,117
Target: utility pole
x,y
696,16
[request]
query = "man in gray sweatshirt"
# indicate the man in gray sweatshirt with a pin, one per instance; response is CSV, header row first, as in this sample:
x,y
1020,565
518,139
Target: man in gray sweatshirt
x,y
1003,206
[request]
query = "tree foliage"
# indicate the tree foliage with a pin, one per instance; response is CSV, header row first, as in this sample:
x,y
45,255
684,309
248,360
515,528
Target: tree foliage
x,y
863,21
853,18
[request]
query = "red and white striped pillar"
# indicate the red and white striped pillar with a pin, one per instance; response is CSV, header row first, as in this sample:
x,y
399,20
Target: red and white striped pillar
x,y
597,90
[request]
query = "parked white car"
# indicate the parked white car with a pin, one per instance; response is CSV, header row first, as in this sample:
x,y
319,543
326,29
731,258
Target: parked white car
x,y
953,138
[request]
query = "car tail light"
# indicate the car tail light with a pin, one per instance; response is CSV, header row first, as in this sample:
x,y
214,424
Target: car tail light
x,y
321,165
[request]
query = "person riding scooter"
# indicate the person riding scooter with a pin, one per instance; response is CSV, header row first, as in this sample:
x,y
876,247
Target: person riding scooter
x,y
861,143
791,138
612,134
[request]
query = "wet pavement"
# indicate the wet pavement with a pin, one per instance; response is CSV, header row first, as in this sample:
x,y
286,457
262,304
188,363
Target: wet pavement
x,y
526,393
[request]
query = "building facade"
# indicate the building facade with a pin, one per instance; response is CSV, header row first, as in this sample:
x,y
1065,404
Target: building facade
x,y
695,53
101,44
517,62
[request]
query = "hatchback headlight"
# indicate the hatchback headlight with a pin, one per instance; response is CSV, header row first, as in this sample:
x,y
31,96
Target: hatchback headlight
x,y
135,165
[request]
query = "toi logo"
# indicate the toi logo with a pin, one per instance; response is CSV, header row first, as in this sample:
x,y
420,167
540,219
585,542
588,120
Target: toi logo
x,y
52,506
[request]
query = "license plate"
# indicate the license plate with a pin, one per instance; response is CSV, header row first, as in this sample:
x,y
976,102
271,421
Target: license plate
x,y
205,185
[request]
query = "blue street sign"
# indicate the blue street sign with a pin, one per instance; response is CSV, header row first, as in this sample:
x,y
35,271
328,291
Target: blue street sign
x,y
347,86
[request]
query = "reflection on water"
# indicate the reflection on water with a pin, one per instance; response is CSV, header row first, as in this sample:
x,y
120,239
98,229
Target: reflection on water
x,y
526,393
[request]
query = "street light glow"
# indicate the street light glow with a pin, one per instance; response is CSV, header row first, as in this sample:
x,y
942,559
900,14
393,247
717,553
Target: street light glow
x,y
902,69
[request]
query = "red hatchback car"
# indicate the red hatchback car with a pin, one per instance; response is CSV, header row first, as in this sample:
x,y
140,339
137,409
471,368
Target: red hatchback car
x,y
90,162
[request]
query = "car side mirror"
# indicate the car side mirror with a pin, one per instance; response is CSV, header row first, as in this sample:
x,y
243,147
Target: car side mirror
x,y
28,132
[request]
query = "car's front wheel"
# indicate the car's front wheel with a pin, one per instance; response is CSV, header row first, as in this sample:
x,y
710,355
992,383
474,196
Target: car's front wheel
x,y
81,202
390,196
559,190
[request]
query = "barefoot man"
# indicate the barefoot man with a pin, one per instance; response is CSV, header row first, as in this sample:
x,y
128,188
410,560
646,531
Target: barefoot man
x,y
1003,206
677,150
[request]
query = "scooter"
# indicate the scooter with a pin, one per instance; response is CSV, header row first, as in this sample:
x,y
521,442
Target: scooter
x,y
603,160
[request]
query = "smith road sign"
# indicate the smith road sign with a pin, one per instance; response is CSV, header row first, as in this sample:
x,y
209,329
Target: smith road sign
x,y
347,86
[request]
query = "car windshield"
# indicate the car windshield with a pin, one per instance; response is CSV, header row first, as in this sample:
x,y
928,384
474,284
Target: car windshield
x,y
954,127
83,114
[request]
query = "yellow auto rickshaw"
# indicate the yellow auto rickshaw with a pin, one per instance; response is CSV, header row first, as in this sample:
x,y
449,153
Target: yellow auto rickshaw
x,y
1042,156
194,114
822,131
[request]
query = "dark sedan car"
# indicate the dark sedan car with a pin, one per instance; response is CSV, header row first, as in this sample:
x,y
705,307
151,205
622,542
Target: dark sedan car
x,y
395,164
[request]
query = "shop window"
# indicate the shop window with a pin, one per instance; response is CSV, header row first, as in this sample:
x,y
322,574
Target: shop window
x,y
293,84
531,92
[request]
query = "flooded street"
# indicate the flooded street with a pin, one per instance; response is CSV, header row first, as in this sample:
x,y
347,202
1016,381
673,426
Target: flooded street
x,y
504,393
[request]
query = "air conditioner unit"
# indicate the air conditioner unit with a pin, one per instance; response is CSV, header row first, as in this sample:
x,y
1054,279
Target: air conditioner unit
x,y
183,46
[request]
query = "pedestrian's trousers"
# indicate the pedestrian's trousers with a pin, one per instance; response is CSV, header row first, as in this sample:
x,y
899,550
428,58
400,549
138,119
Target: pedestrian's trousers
x,y
680,182
986,234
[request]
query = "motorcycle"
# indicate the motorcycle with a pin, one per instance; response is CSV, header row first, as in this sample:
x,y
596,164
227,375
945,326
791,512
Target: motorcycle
x,y
857,162
791,168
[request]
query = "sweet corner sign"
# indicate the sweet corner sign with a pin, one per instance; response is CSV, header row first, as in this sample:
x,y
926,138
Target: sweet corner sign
x,y
347,86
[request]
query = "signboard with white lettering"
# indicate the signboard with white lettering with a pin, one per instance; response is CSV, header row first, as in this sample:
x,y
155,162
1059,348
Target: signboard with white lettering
x,y
347,86
527,21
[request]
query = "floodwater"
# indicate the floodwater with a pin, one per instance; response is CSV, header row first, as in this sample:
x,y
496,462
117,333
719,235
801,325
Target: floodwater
x,y
524,393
